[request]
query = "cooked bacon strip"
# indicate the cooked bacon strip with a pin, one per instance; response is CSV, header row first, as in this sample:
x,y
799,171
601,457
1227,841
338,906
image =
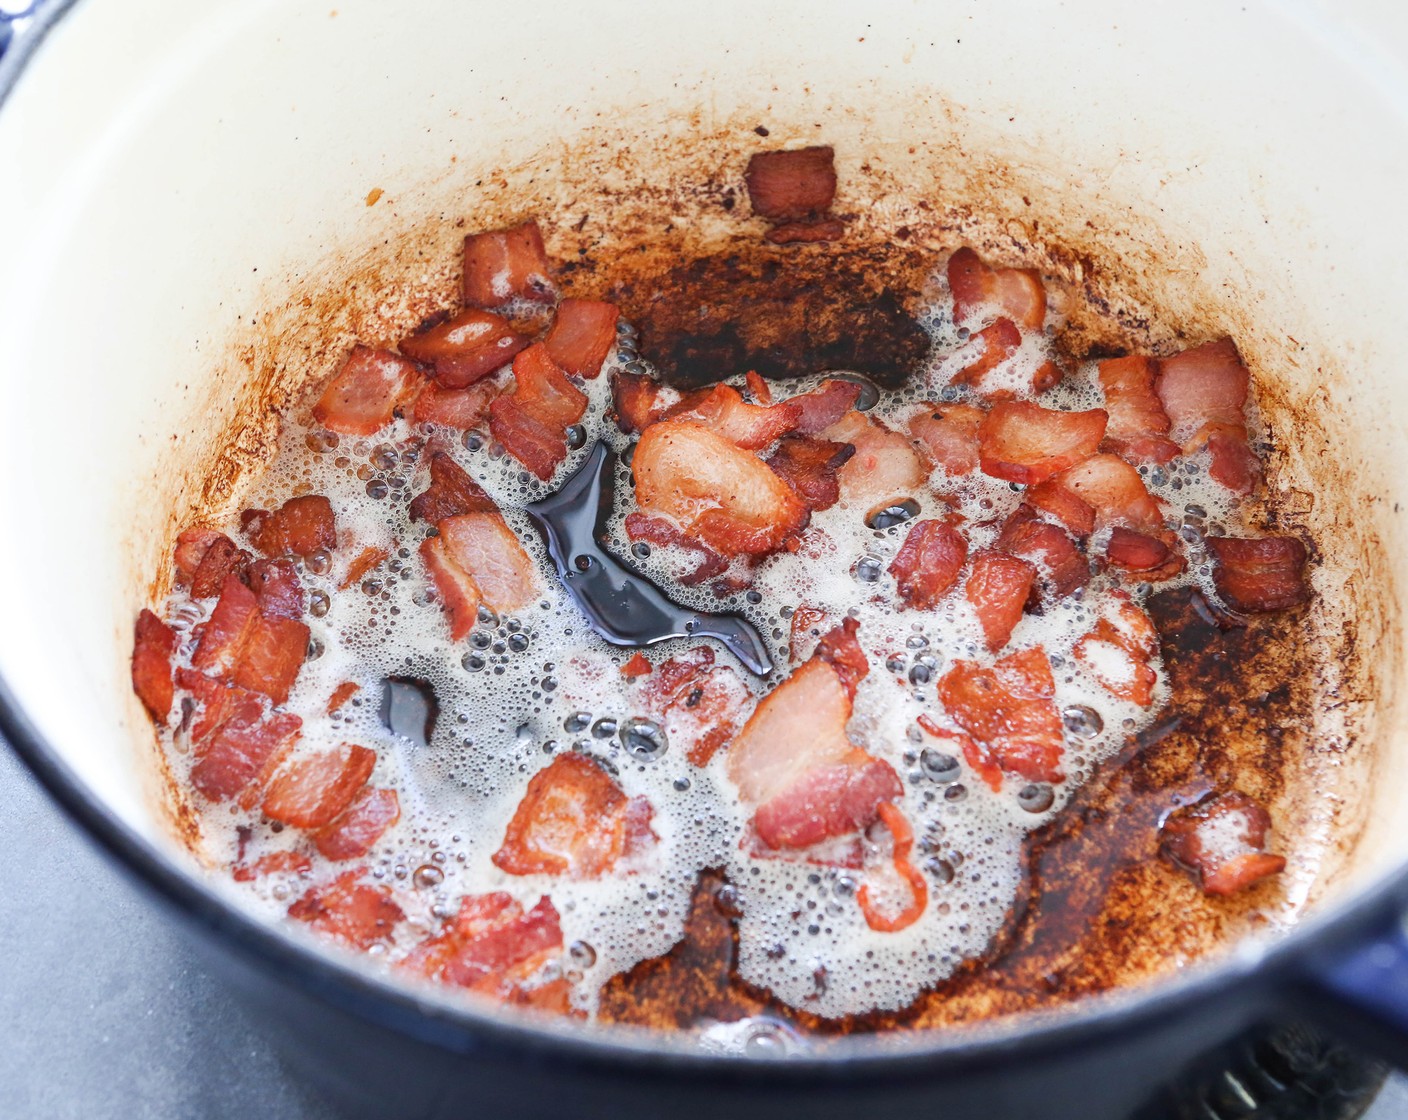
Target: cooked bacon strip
x,y
1259,574
341,694
885,470
574,821
273,653
792,186
355,832
749,426
369,559
699,704
1204,392
466,348
1138,428
492,946
664,534
712,489
238,752
977,288
226,633
483,545
451,492
312,791
218,703
275,863
998,588
1100,492
1221,842
277,588
790,232
368,389
152,646
988,349
219,557
758,386
810,467
902,840
532,421
928,563
1061,568
350,910
191,547
502,265
818,409
460,409
1118,650
459,594
299,527
1022,442
1137,552
582,334
827,801
637,401
1010,709
949,433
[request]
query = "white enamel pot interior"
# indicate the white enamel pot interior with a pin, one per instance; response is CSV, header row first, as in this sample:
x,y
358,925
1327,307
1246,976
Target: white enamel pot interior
x,y
173,174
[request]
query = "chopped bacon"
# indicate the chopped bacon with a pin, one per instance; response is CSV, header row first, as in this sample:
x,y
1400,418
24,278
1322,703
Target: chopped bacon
x,y
1011,710
582,334
152,646
218,559
792,186
368,389
806,623
809,466
998,588
460,409
239,750
1117,653
492,946
638,666
949,433
532,421
1136,552
758,387
482,545
191,547
987,350
350,910
1014,292
1234,463
665,534
575,821
341,694
451,492
277,588
299,527
818,409
840,648
466,348
1022,442
902,843
712,489
884,471
218,702
790,232
637,400
827,801
312,791
1204,392
750,426
1061,568
273,653
459,594
275,863
699,704
365,561
1138,428
355,832
1221,842
1100,492
1259,574
226,633
982,763
928,563
502,265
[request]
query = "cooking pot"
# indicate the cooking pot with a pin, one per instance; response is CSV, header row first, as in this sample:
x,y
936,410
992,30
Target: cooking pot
x,y
184,185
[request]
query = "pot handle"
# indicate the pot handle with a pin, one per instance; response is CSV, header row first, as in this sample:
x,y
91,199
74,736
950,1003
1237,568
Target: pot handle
x,y
1362,993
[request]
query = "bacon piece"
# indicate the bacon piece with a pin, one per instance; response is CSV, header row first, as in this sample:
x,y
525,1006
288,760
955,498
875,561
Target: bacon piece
x,y
1010,709
275,863
1136,552
191,547
792,186
1022,442
368,389
483,546
1117,653
827,801
809,466
451,492
840,649
749,426
657,531
466,348
341,694
365,561
806,623
1259,574
758,386
226,632
532,421
1098,493
725,497
638,666
299,527
998,588
1061,568
1138,428
928,563
492,946
153,644
273,653
902,842
218,703
987,350
885,469
818,409
582,334
1204,391
312,791
573,821
1221,842
949,433
218,559
460,409
238,752
350,910
355,832
978,289
277,588
502,265
790,232
637,401
459,594
698,703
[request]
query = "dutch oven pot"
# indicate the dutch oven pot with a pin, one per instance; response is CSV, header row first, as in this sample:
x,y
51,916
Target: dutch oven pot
x,y
170,172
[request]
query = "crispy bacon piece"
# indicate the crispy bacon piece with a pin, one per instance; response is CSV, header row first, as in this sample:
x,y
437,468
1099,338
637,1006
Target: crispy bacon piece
x,y
1100,492
810,467
949,433
1011,710
830,229
272,655
575,821
664,534
1136,552
191,547
218,703
987,350
724,496
299,527
152,646
1117,653
818,409
368,389
928,563
369,559
758,387
237,753
341,694
1022,442
460,409
582,334
637,400
492,946
277,588
502,265
312,791
978,288
483,545
350,910
1138,428
792,186
1204,393
226,632
459,594
638,666
219,556
532,421
1060,566
451,493
885,469
699,704
466,348
998,588
355,832
1259,574
827,801
1221,842
275,863
750,426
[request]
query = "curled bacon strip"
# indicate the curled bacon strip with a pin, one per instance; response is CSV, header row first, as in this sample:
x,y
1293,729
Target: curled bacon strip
x,y
903,836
